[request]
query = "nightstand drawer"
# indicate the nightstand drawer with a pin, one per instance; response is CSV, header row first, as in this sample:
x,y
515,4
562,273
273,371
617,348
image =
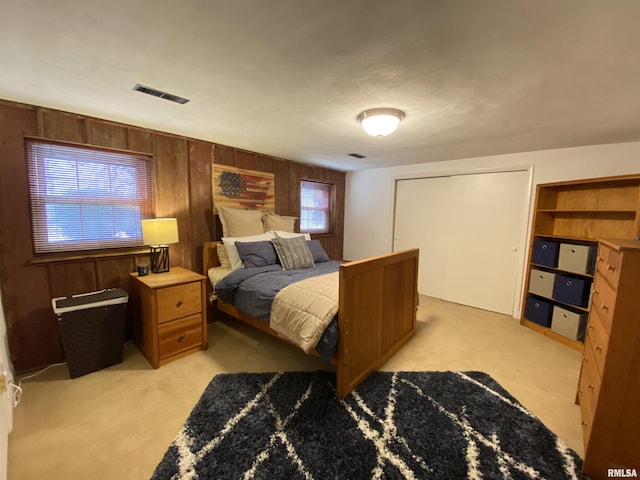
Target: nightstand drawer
x,y
179,301
179,335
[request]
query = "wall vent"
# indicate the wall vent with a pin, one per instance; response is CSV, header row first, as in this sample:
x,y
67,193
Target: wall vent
x,y
357,155
160,94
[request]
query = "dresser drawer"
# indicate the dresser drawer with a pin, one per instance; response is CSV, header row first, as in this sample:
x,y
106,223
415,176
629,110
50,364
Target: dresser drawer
x,y
586,386
586,415
179,301
598,339
589,384
608,264
179,335
603,301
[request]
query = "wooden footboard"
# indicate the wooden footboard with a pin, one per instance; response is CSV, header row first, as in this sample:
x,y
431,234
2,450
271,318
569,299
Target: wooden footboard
x,y
376,315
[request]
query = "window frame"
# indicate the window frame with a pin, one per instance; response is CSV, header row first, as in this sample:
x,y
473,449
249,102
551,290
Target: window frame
x,y
331,200
143,163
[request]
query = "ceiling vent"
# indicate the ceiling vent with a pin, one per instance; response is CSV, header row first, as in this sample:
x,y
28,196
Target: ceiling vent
x,y
357,155
160,94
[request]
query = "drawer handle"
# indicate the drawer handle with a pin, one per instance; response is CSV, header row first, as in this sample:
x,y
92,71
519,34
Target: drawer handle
x,y
590,386
181,337
569,283
610,267
598,348
600,259
604,307
584,424
179,304
591,326
596,292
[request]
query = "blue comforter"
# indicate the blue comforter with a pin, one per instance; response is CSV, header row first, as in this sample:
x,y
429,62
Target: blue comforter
x,y
252,290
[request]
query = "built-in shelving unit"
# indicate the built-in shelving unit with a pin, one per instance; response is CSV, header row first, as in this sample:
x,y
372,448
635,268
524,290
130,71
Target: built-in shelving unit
x,y
580,212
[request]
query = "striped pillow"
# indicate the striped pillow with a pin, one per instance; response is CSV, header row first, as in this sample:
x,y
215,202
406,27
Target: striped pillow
x,y
293,252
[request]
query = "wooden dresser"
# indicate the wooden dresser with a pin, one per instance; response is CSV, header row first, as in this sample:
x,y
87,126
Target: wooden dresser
x,y
170,314
609,384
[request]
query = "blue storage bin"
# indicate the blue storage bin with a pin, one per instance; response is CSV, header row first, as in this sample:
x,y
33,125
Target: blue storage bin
x,y
538,310
572,290
545,252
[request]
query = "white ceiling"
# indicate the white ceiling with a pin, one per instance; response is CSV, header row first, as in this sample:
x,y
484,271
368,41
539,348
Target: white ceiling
x,y
288,77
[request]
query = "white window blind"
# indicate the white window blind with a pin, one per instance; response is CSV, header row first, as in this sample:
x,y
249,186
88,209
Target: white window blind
x,y
85,198
316,202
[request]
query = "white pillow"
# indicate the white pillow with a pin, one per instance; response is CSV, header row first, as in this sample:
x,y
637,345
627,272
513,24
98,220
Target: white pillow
x,y
232,251
237,222
283,234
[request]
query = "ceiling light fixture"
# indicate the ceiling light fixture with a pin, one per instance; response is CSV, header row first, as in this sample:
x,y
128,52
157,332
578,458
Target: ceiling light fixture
x,y
380,122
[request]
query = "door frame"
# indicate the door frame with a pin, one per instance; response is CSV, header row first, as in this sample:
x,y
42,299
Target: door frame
x,y
524,235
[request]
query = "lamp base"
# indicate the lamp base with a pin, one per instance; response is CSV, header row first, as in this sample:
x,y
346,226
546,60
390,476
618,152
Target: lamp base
x,y
160,259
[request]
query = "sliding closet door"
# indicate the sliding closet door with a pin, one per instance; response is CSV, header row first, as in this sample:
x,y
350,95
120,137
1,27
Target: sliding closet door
x,y
420,227
470,230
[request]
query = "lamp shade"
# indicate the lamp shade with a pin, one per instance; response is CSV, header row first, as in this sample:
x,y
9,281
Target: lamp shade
x,y
160,231
379,122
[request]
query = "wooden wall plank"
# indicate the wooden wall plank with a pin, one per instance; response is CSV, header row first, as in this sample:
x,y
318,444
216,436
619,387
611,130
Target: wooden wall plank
x,y
62,126
293,197
281,176
32,329
72,278
201,156
308,172
114,272
264,163
109,135
140,140
225,155
172,193
246,160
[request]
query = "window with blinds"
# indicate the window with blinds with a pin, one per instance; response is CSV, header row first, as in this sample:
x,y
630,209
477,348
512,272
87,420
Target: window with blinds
x,y
84,198
316,204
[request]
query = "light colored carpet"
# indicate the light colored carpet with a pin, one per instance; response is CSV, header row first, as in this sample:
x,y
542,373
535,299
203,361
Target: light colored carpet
x,y
117,423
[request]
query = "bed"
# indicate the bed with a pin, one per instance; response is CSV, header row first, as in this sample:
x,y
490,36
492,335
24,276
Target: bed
x,y
377,302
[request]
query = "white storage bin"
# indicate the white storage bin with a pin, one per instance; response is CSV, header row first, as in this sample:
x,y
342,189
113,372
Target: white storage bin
x,y
569,324
577,258
541,282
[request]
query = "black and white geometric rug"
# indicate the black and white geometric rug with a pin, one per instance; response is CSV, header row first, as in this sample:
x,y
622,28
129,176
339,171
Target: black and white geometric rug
x,y
435,425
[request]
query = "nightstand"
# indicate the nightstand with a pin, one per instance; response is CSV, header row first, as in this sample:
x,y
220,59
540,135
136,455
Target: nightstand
x,y
170,314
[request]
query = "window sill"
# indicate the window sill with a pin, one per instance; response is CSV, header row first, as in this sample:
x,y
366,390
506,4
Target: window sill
x,y
322,235
68,257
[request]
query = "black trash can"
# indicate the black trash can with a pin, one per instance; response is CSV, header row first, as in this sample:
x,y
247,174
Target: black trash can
x,y
92,327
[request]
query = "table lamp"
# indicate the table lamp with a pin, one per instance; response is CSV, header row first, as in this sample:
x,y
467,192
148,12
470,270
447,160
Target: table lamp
x,y
159,233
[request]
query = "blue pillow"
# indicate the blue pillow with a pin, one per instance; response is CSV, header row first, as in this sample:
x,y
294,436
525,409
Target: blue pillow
x,y
318,253
257,254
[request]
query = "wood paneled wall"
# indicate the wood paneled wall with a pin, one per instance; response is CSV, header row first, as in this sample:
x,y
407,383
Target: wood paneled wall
x,y
183,190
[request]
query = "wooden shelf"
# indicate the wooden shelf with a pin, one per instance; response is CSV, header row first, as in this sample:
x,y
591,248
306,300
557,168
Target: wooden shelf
x,y
555,269
581,212
547,332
